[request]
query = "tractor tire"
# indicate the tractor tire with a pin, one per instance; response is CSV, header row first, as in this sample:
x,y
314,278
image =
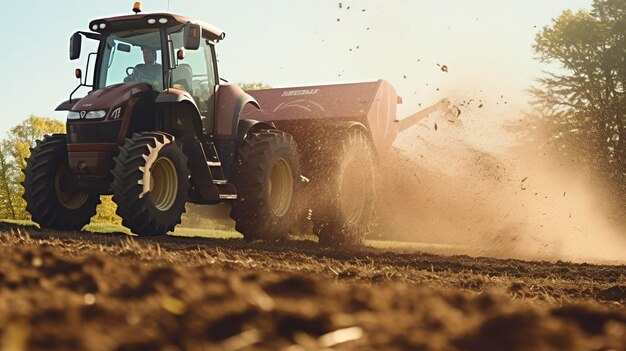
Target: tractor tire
x,y
344,210
150,183
267,176
45,172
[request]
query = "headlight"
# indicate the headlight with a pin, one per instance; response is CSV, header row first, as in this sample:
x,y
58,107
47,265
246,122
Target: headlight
x,y
86,114
95,114
73,115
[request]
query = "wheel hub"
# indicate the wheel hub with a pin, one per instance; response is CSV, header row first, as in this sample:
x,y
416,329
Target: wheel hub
x,y
280,187
163,185
69,200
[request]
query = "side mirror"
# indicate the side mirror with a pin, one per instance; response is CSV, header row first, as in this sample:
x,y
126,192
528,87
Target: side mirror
x,y
180,54
75,43
193,34
78,73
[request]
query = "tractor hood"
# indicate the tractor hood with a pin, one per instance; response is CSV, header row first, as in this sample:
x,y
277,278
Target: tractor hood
x,y
109,97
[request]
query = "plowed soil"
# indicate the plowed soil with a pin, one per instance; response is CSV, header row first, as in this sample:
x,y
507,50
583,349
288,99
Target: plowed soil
x,y
79,290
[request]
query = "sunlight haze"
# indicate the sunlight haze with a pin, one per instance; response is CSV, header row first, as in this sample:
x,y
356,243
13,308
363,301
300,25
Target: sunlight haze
x,y
485,44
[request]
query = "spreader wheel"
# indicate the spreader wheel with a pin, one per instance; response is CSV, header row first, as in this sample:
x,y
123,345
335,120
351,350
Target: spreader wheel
x,y
344,211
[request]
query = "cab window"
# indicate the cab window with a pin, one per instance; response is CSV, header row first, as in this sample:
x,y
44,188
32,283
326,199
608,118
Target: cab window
x,y
196,74
132,56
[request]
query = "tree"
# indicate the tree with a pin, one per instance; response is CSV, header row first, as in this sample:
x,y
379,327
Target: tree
x,y
7,195
585,97
13,150
253,86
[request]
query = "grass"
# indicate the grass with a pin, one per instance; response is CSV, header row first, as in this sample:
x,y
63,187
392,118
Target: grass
x,y
106,228
180,231
220,232
25,223
206,233
116,228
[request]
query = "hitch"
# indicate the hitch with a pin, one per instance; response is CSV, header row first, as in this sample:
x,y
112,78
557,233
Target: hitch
x,y
449,112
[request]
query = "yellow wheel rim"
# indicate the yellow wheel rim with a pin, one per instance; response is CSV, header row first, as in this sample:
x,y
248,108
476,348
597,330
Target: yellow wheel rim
x,y
69,200
163,184
280,187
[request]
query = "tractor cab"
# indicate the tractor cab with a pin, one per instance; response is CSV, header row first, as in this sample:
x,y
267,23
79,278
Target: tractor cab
x,y
155,76
156,54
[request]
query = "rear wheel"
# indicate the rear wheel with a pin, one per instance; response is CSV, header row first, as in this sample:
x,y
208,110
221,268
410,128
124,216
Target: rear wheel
x,y
150,183
266,177
344,211
46,182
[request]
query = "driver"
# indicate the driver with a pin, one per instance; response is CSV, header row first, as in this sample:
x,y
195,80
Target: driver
x,y
149,69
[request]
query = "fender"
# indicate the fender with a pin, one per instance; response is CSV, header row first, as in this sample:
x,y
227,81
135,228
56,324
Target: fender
x,y
230,102
340,127
67,104
250,125
227,148
174,95
360,126
182,98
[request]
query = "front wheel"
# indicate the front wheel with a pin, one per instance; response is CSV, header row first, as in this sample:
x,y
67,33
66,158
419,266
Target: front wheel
x,y
46,183
150,183
267,175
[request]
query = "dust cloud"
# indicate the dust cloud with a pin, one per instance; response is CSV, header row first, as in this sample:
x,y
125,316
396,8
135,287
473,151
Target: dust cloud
x,y
478,190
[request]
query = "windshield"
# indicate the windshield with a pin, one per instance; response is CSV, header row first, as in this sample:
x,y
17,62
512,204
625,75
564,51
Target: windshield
x,y
132,56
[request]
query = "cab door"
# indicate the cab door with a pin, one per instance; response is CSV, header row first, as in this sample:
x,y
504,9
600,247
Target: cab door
x,y
196,74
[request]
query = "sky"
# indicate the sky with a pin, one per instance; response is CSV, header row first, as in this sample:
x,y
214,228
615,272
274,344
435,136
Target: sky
x,y
486,45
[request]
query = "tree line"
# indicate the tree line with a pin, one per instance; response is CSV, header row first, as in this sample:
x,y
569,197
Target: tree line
x,y
582,99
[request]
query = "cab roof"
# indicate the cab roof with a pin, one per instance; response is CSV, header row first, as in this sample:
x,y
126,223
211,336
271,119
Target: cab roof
x,y
148,20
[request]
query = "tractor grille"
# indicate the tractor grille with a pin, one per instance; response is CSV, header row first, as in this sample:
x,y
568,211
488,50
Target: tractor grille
x,y
96,132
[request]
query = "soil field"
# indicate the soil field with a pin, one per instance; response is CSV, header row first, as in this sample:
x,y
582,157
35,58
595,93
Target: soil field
x,y
79,290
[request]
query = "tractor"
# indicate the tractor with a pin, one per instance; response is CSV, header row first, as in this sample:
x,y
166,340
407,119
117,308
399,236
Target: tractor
x,y
159,129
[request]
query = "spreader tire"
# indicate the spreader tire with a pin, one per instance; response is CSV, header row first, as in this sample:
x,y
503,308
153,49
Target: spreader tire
x,y
45,175
267,174
344,211
150,183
